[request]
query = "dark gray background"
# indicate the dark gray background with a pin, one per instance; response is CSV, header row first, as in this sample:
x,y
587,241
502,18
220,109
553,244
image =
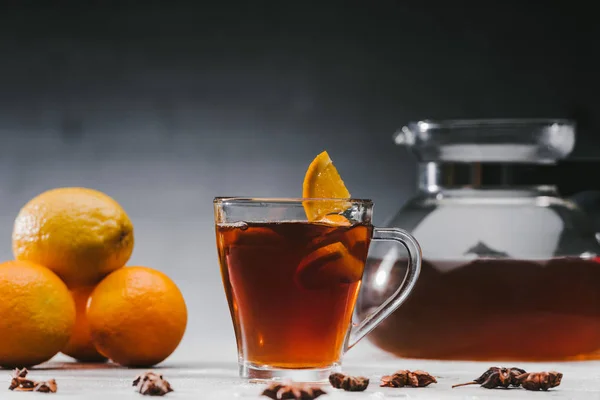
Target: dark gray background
x,y
164,105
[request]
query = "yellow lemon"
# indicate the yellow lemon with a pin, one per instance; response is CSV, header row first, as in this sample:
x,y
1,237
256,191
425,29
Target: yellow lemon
x,y
81,234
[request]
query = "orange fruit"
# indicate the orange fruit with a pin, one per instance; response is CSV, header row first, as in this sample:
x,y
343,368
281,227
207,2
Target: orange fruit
x,y
81,234
322,180
137,316
80,345
37,314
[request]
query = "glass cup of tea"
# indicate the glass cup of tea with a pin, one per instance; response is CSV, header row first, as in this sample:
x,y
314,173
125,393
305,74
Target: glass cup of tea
x,y
292,284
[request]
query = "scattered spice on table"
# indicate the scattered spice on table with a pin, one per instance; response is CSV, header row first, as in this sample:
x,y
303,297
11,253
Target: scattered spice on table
x,y
46,386
540,380
499,377
496,377
348,383
152,384
20,383
293,391
405,377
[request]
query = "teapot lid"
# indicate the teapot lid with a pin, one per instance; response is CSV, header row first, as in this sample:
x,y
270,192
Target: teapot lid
x,y
526,141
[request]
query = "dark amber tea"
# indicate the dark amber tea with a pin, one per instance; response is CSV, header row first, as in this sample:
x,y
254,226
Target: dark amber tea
x,y
494,309
291,288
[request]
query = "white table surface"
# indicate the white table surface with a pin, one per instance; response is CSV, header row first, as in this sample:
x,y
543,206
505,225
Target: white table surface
x,y
196,377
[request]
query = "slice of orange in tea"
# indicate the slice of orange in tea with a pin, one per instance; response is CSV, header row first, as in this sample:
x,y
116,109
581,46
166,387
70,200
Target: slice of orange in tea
x,y
322,180
328,266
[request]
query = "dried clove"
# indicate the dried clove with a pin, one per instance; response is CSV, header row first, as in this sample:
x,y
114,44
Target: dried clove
x,y
293,391
348,383
152,384
20,383
539,380
403,378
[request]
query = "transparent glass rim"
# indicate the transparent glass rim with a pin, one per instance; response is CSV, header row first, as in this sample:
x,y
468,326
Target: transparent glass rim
x,y
287,200
427,124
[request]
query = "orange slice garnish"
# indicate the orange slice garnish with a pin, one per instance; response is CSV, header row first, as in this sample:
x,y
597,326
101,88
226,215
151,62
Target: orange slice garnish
x,y
322,180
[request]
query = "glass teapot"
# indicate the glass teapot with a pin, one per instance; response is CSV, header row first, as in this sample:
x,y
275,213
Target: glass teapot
x,y
511,270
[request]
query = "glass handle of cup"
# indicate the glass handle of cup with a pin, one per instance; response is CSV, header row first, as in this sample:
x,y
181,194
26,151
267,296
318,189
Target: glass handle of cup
x,y
401,294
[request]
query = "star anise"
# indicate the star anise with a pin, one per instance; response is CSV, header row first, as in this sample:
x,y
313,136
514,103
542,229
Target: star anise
x,y
348,383
46,387
404,377
19,380
497,377
152,384
292,390
20,383
539,380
